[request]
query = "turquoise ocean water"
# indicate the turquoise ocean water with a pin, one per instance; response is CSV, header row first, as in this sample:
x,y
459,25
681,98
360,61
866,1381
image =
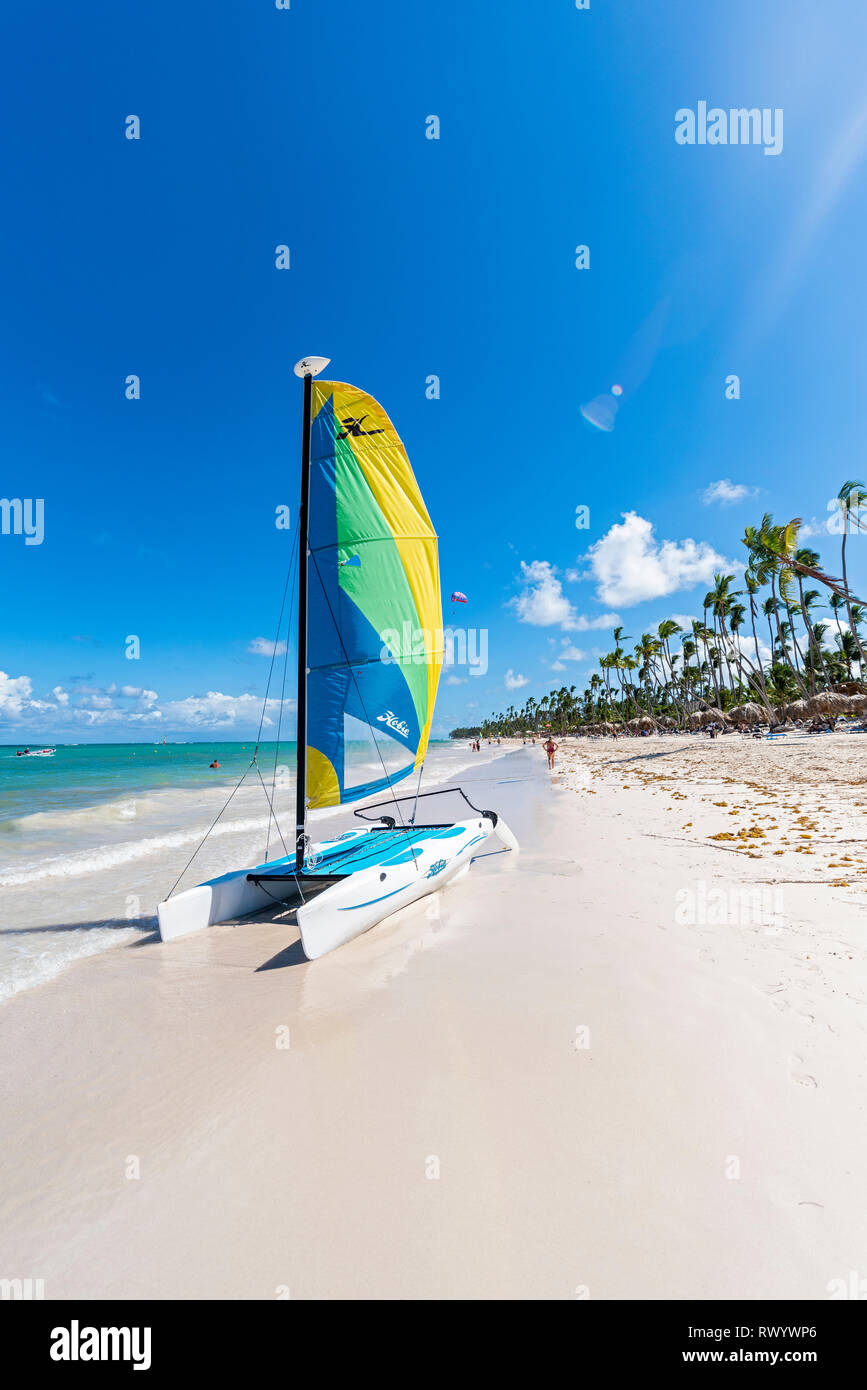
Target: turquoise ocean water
x,y
83,774
94,837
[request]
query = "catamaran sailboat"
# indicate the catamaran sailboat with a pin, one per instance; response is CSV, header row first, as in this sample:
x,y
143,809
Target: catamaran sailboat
x,y
370,651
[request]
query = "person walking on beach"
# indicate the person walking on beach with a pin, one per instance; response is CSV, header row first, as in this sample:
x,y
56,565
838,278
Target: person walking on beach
x,y
551,748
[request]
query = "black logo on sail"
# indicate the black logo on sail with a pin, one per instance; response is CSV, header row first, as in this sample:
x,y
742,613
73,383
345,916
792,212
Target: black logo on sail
x,y
353,427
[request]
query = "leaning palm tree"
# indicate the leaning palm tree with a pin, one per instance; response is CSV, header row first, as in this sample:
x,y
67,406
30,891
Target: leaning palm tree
x,y
837,605
810,559
665,631
752,588
851,497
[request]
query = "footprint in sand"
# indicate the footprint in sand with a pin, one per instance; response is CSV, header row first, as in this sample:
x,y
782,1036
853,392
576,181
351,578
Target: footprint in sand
x,y
800,1078
771,990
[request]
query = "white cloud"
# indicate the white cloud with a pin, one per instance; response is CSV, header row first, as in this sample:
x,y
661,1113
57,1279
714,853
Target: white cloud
x,y
514,682
543,603
263,646
96,708
557,666
727,492
744,642
456,680
215,710
630,565
14,693
101,718
571,653
135,692
601,620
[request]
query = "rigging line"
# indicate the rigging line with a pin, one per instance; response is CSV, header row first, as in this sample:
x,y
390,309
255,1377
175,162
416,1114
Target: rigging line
x,y
295,551
276,757
403,826
254,760
414,809
417,790
289,569
281,902
209,829
271,808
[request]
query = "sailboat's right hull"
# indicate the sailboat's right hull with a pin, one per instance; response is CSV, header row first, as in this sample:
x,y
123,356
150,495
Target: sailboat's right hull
x,y
378,872
362,899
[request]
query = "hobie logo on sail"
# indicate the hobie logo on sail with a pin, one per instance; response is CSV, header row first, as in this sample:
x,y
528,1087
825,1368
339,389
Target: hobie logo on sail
x,y
394,723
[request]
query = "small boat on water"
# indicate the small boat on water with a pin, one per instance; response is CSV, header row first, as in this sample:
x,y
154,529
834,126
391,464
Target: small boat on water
x,y
370,652
36,752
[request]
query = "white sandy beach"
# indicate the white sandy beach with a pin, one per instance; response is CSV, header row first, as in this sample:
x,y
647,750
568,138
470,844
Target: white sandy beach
x,y
708,1141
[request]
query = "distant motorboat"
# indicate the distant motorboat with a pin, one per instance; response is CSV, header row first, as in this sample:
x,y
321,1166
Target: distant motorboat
x,y
36,753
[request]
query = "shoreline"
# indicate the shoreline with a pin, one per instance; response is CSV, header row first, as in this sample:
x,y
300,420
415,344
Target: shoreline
x,y
79,881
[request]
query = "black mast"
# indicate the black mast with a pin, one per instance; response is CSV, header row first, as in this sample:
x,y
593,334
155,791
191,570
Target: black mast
x,y
301,788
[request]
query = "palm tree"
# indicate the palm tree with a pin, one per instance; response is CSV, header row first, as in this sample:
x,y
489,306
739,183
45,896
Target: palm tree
x,y
714,663
851,496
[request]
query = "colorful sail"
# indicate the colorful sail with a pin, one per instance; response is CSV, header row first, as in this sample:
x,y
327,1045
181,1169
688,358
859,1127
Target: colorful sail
x,y
374,624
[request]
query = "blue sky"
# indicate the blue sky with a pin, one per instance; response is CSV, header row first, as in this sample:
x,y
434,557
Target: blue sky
x,y
412,257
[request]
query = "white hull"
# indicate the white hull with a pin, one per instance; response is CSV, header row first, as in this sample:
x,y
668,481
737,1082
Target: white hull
x,y
336,914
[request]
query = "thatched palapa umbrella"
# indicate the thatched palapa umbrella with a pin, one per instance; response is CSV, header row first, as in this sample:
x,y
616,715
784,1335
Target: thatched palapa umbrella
x,y
798,709
749,713
643,721
828,704
702,717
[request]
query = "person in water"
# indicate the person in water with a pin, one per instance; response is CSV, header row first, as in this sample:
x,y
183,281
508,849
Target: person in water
x,y
215,763
551,748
